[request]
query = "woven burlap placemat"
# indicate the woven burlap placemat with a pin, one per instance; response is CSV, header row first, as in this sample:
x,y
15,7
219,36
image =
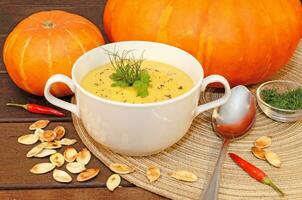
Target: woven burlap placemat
x,y
198,150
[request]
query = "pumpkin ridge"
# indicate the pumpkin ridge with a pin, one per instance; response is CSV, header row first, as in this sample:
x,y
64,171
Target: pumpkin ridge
x,y
76,40
82,22
49,57
10,44
164,19
205,59
66,50
203,37
95,42
273,43
22,73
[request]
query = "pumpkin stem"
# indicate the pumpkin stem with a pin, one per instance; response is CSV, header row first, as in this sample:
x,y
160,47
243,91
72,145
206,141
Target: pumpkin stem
x,y
48,24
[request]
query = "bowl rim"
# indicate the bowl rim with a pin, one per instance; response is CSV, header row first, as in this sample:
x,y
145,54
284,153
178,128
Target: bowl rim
x,y
196,86
270,106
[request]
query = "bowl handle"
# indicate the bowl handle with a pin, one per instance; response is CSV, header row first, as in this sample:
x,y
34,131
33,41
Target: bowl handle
x,y
218,102
56,101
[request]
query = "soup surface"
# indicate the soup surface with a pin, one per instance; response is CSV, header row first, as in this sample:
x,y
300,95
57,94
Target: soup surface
x,y
166,82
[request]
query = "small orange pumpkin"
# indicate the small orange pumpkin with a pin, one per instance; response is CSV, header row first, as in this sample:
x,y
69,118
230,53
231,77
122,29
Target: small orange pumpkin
x,y
47,43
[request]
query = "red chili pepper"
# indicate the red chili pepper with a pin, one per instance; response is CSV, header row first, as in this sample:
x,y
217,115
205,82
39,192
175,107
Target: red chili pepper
x,y
254,172
35,108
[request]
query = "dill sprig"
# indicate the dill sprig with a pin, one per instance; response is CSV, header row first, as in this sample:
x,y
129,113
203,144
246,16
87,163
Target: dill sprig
x,y
128,71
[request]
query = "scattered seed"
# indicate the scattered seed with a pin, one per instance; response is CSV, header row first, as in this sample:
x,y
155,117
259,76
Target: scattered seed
x,y
84,156
184,176
121,168
48,136
34,151
263,142
45,152
61,176
52,145
57,159
258,153
70,154
28,139
39,124
39,132
273,159
60,132
66,141
75,167
153,173
113,182
87,174
42,168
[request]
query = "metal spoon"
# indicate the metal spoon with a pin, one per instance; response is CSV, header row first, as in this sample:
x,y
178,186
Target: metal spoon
x,y
230,121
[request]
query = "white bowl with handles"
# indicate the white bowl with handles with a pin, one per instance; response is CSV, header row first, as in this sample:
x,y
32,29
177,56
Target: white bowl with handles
x,y
137,129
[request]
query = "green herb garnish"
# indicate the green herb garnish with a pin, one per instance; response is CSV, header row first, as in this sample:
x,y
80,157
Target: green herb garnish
x,y
290,100
128,72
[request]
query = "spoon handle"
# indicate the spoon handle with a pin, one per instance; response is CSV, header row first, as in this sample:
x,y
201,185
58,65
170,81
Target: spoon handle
x,y
211,191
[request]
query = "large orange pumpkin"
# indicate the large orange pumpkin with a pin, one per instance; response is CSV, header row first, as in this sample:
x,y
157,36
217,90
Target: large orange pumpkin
x,y
47,43
245,41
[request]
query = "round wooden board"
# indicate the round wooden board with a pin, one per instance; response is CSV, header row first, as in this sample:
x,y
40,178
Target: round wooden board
x,y
198,150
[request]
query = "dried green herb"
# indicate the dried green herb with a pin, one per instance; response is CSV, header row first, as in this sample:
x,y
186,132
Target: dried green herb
x,y
290,100
128,72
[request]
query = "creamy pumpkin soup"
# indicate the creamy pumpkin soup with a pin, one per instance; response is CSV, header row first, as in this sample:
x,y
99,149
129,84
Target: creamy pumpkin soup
x,y
163,82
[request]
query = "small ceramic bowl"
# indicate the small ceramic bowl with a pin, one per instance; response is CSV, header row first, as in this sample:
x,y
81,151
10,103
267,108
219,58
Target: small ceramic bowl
x,y
281,115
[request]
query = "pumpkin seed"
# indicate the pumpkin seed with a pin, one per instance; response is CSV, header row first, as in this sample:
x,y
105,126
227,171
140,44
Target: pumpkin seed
x,y
57,159
113,182
39,124
121,168
87,174
258,153
28,139
39,132
84,156
70,154
66,141
60,132
47,136
75,167
42,168
35,150
263,142
184,175
61,176
273,159
52,145
153,173
45,152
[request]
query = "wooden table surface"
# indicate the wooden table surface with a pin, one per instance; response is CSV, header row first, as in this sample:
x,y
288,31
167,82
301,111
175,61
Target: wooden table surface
x,y
16,182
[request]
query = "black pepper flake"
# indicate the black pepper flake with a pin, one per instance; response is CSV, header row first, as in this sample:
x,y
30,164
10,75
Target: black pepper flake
x,y
180,87
168,96
156,70
160,86
96,84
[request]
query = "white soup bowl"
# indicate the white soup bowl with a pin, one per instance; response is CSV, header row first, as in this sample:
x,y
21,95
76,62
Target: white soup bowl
x,y
137,129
